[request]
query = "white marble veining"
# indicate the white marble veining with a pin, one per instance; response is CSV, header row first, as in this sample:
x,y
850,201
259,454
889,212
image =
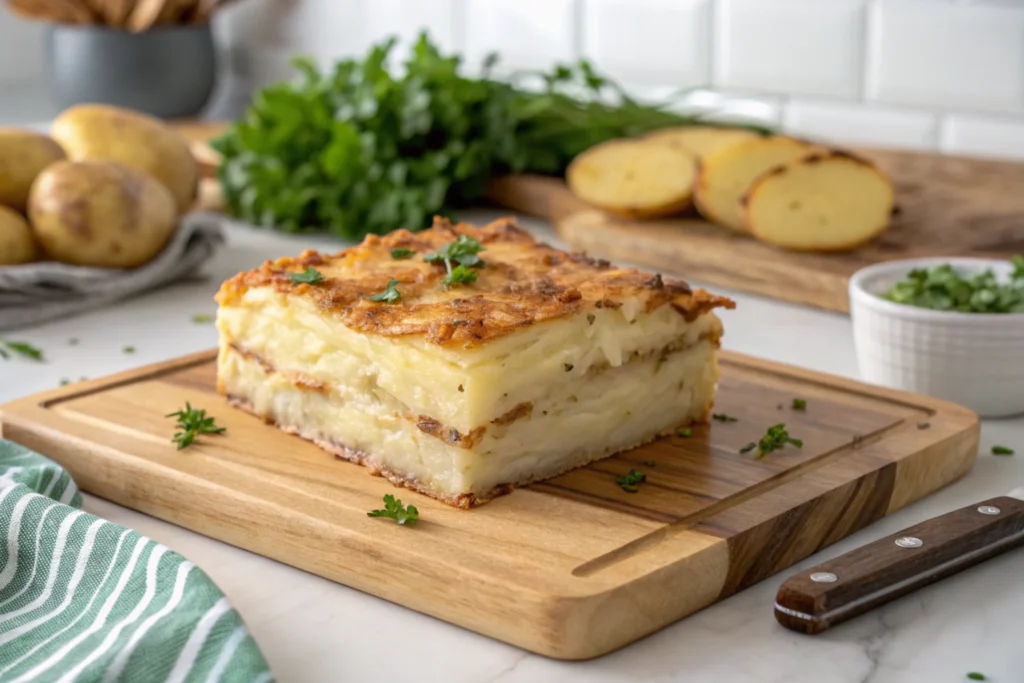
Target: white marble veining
x,y
314,630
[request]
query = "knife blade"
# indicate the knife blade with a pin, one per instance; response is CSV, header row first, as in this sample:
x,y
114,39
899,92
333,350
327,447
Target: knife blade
x,y
858,581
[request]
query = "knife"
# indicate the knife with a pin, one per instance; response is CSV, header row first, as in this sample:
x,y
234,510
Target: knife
x,y
851,584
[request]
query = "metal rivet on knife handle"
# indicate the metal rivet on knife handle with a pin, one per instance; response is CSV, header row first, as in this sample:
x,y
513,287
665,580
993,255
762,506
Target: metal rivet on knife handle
x,y
909,542
824,577
989,510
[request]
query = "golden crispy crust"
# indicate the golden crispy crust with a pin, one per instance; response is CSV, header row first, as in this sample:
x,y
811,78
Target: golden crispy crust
x,y
524,282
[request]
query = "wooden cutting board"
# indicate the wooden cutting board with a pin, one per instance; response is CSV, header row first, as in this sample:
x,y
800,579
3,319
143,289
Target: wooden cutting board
x,y
573,567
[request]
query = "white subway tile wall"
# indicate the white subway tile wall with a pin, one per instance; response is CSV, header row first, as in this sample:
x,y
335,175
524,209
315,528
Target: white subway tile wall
x,y
943,75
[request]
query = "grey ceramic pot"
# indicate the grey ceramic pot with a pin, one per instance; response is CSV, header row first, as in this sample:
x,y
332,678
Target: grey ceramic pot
x,y
167,72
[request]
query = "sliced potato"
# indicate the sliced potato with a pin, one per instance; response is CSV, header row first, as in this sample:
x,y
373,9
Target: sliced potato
x,y
703,141
824,202
634,178
726,175
16,242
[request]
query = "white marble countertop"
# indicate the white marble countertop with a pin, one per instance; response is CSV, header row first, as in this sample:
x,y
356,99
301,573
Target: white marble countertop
x,y
314,630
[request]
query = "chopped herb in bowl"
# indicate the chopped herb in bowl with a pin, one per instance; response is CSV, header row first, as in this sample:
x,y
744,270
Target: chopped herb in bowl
x,y
945,288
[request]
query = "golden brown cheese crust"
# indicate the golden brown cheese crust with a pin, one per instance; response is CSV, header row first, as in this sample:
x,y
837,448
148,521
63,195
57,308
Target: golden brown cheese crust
x,y
524,282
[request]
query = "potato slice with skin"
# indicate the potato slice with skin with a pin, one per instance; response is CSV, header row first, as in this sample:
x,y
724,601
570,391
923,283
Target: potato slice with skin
x,y
634,178
703,141
726,176
824,202
16,242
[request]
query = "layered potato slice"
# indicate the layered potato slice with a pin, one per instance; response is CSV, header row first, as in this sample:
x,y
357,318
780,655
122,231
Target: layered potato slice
x,y
546,362
824,202
726,176
703,141
634,178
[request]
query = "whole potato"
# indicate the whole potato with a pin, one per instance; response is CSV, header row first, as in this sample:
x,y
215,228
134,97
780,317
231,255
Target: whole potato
x,y
16,243
23,154
143,142
100,213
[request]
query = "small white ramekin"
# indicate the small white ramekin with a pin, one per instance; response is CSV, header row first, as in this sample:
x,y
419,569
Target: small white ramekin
x,y
972,359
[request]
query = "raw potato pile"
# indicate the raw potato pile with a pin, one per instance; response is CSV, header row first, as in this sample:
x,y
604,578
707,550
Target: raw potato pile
x,y
788,192
105,189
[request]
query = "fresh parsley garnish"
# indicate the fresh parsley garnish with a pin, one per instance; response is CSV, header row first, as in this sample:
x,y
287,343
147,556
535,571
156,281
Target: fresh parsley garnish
x,y
464,254
460,275
400,254
64,381
631,481
977,676
19,349
685,433
192,422
1002,450
201,318
943,288
310,276
389,295
393,508
128,350
776,438
799,404
722,417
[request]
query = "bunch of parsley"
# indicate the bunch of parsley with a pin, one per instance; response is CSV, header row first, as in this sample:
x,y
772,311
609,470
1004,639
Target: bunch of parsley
x,y
367,149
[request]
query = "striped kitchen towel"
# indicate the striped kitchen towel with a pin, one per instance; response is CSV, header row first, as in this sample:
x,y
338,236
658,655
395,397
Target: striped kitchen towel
x,y
83,599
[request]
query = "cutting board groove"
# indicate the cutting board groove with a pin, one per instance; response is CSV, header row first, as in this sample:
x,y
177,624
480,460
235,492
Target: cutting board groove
x,y
572,567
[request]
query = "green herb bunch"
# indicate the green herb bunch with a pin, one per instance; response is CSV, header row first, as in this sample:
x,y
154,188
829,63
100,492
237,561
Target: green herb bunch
x,y
362,149
943,288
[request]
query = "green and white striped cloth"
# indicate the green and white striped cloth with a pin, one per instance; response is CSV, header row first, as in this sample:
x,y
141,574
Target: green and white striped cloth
x,y
83,599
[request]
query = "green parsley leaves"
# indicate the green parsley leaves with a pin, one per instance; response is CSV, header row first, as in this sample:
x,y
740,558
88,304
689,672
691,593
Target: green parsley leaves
x,y
685,433
1002,450
389,295
977,676
400,254
459,257
310,276
631,481
775,439
393,508
191,423
943,288
722,417
128,350
202,318
799,404
8,348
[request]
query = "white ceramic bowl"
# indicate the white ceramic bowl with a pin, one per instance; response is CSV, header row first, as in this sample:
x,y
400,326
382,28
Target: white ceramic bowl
x,y
973,359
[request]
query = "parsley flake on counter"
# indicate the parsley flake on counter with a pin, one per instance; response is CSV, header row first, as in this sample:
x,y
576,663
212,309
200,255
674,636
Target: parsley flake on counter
x,y
749,447
722,417
19,349
405,515
775,439
685,433
650,463
1002,450
389,295
310,276
400,254
977,676
631,481
799,404
128,350
202,318
192,422
943,288
64,381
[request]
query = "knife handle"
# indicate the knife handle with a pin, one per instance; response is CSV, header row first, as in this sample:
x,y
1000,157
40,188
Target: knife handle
x,y
872,575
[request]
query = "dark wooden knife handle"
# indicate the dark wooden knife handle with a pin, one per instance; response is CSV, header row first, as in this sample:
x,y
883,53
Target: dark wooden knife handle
x,y
872,575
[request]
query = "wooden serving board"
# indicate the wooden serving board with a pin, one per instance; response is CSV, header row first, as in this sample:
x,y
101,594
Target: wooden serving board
x,y
573,567
948,206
